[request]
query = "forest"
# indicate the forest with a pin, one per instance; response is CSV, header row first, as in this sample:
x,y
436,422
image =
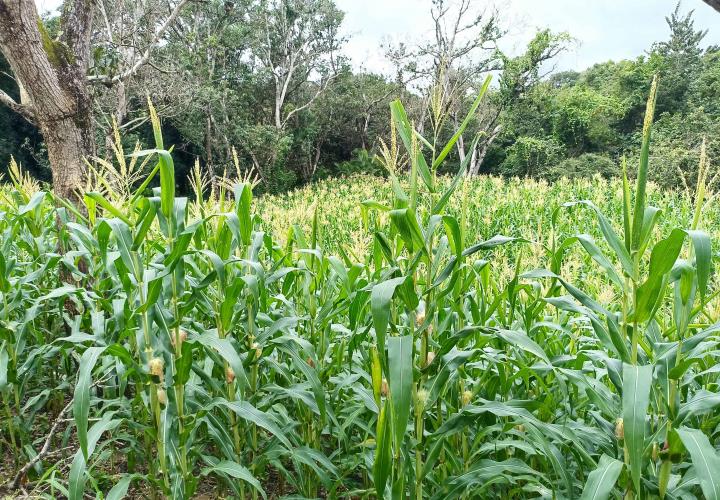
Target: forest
x,y
269,80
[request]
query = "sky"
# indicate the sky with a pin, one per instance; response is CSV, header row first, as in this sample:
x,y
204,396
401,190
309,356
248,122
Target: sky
x,y
602,29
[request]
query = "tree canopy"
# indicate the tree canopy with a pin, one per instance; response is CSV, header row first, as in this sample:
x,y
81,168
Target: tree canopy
x,y
266,82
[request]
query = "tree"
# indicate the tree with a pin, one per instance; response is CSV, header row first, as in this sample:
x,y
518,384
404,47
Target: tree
x,y
463,49
519,75
295,41
446,67
677,60
19,138
124,46
52,75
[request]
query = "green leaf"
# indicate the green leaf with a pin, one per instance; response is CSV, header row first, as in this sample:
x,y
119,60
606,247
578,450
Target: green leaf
x,y
481,476
146,218
81,400
493,242
226,350
621,252
521,340
637,381
452,228
308,371
705,459
183,364
78,470
701,403
119,491
473,109
601,481
382,466
380,302
459,176
662,258
596,254
650,219
103,202
247,411
702,246
243,206
406,132
3,368
167,179
401,377
237,471
406,222
34,202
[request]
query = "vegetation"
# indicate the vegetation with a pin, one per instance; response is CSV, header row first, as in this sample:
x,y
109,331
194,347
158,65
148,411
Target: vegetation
x,y
401,327
297,111
153,345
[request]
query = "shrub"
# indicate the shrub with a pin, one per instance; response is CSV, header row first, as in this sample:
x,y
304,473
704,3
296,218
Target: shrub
x,y
362,163
531,156
585,165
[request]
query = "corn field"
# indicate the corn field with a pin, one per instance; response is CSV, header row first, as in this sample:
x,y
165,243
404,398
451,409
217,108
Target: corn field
x,y
415,337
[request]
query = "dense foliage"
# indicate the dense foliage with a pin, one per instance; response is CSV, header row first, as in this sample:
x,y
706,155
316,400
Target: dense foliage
x,y
575,122
269,78
175,347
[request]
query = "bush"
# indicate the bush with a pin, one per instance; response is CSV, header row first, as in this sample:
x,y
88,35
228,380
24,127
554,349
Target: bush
x,y
531,156
362,163
676,147
585,165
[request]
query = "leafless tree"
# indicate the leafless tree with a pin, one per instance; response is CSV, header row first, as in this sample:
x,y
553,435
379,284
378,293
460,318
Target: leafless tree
x,y
296,40
461,52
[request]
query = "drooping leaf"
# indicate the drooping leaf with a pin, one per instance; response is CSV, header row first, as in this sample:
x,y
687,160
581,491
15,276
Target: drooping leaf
x,y
235,471
81,399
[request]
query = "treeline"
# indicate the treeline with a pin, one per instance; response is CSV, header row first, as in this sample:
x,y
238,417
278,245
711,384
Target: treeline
x,y
262,86
582,123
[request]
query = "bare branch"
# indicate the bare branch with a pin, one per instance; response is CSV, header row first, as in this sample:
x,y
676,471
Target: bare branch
x,y
124,76
22,109
43,451
320,90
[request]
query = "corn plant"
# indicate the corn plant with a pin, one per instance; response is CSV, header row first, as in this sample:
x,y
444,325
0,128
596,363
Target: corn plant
x,y
445,338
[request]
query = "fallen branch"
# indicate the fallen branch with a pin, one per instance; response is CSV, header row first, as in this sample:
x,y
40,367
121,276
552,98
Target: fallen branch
x,y
45,450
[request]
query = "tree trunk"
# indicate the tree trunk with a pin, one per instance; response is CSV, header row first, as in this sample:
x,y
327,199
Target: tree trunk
x,y
208,140
68,144
53,74
477,161
715,4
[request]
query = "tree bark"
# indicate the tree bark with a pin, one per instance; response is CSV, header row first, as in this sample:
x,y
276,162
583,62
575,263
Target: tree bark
x,y
53,74
478,160
715,4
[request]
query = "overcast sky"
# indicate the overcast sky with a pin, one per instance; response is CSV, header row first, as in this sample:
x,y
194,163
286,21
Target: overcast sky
x,y
604,29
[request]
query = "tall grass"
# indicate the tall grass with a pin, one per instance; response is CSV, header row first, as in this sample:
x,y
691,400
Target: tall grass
x,y
424,337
